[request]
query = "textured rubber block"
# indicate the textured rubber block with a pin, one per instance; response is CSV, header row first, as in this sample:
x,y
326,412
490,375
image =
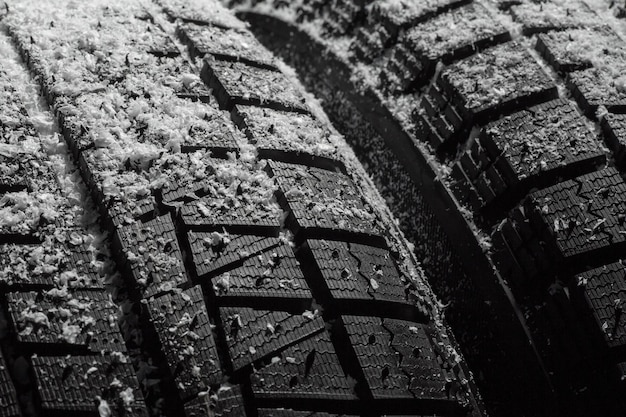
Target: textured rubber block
x,y
209,12
285,135
226,45
228,402
614,128
87,384
595,87
184,331
72,114
210,213
239,83
398,15
582,218
18,165
604,290
238,194
320,199
554,15
398,363
126,194
47,265
27,216
64,322
404,71
152,254
474,28
499,79
186,125
215,252
439,120
370,41
543,142
270,277
307,371
253,334
344,15
175,73
8,395
351,271
154,40
174,171
569,50
195,125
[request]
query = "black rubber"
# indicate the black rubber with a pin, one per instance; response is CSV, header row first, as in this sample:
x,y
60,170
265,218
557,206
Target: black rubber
x,y
507,117
241,263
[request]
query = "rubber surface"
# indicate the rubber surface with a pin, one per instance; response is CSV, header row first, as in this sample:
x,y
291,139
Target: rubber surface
x,y
237,260
507,117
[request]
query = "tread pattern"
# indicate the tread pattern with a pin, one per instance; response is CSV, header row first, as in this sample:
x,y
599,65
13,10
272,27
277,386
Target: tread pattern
x,y
525,137
220,314
87,379
320,199
528,149
61,347
182,325
419,50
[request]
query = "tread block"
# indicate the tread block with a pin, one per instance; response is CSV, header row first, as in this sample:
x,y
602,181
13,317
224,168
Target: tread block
x,y
8,395
18,165
207,12
184,331
239,83
194,125
398,362
614,127
214,251
188,125
253,334
227,402
534,148
125,193
354,271
85,383
431,41
62,321
307,371
397,15
25,217
174,73
343,15
152,255
48,265
603,290
583,217
370,41
439,120
496,80
578,49
553,15
320,199
238,193
596,87
174,172
542,139
270,277
274,132
145,36
226,45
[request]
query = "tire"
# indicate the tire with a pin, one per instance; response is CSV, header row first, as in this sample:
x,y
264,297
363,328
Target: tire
x,y
184,233
510,129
